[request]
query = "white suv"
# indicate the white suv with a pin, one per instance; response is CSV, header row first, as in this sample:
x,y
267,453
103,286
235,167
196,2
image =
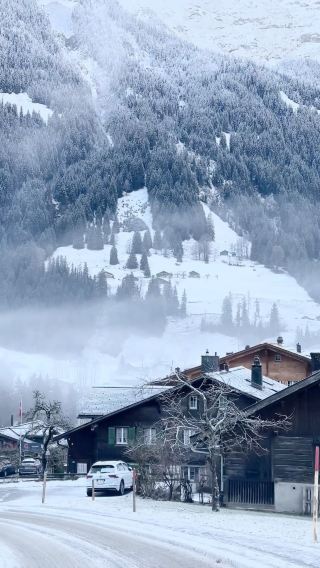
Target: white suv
x,y
109,476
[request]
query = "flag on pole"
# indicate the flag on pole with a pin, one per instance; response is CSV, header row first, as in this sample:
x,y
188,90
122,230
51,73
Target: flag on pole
x,y
20,411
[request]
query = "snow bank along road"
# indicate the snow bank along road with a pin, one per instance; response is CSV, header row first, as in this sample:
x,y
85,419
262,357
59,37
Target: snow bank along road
x,y
71,531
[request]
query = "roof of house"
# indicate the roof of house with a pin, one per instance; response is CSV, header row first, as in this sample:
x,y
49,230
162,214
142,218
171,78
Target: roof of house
x,y
268,345
106,400
287,392
239,379
11,434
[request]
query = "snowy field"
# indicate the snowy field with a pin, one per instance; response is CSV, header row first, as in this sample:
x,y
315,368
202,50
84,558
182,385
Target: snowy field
x,y
25,105
71,530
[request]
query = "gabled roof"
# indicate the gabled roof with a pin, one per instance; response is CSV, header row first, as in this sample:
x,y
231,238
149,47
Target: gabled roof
x,y
12,435
239,379
287,392
267,345
105,400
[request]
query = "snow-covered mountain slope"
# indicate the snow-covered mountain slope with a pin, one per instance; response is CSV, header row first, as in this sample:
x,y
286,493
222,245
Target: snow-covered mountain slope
x,y
263,31
25,104
182,342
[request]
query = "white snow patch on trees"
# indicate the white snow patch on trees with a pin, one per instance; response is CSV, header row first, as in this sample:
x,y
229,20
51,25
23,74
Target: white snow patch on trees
x,y
60,14
289,102
24,103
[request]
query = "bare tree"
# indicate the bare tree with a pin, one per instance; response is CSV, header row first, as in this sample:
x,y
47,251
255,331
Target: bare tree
x,y
47,421
219,426
159,461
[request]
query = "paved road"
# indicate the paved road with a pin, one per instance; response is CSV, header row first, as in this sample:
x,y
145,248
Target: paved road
x,y
33,541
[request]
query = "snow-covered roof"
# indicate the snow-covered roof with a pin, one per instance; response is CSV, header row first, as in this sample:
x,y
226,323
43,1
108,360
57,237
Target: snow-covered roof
x,y
105,400
13,435
239,378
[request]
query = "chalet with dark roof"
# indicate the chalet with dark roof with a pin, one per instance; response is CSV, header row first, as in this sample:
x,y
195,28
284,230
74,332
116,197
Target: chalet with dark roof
x,y
282,479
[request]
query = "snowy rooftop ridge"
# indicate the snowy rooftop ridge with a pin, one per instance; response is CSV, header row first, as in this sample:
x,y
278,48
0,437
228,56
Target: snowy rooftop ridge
x,y
239,378
106,400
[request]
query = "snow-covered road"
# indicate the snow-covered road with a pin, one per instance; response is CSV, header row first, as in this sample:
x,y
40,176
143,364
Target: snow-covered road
x,y
70,531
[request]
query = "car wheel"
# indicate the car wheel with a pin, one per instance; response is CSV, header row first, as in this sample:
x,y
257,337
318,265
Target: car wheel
x,y
89,492
121,488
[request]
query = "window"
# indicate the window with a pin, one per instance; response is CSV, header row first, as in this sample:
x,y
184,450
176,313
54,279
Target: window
x,y
121,436
277,358
193,402
82,468
149,435
187,433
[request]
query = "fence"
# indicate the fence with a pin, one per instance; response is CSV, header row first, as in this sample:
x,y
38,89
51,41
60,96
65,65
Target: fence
x,y
250,492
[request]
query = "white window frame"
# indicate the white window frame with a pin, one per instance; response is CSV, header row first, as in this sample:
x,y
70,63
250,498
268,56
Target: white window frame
x,y
193,402
187,433
122,435
149,436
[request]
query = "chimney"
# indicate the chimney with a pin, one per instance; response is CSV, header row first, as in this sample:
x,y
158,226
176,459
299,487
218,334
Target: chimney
x,y
256,374
11,421
315,361
298,348
280,340
210,363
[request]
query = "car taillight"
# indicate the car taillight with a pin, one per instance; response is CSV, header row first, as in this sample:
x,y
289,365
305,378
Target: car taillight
x,y
89,476
113,476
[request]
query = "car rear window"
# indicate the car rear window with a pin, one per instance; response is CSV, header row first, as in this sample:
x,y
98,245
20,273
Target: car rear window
x,y
99,468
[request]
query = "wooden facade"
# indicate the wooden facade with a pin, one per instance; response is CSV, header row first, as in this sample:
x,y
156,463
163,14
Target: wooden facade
x,y
277,362
288,463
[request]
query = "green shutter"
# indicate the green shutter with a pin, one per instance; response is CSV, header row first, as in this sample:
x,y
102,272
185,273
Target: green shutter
x,y
131,435
111,436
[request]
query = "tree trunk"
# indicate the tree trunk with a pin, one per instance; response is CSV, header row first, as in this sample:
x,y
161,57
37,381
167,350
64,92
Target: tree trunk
x,y
215,491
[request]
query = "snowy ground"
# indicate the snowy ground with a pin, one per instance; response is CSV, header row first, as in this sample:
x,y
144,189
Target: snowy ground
x,y
25,104
71,530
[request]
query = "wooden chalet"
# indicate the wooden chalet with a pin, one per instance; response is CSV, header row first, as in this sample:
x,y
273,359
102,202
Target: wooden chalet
x,y
282,479
278,363
115,417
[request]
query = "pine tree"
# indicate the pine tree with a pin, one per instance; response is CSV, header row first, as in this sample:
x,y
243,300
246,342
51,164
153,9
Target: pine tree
x,y
183,305
226,319
94,238
78,240
132,262
144,262
147,241
147,272
101,284
157,241
178,250
274,324
136,247
153,289
128,288
106,229
112,239
114,256
210,228
245,322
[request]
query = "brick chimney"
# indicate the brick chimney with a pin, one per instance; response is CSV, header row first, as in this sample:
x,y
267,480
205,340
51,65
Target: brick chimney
x,y
280,340
256,373
299,348
210,363
315,361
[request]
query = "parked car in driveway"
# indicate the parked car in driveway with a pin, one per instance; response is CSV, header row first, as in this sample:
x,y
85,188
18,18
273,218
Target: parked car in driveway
x,y
30,466
109,476
7,469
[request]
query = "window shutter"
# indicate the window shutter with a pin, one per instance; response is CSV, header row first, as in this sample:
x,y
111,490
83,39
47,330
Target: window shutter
x,y
111,436
131,435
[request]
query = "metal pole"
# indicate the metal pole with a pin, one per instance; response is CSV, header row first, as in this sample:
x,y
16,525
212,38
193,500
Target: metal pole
x,y
93,491
134,490
44,487
316,495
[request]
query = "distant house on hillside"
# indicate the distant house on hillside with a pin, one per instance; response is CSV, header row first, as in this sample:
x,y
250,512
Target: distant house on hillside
x,y
164,274
109,275
224,253
194,274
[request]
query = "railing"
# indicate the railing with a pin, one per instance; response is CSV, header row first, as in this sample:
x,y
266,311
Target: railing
x,y
250,492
